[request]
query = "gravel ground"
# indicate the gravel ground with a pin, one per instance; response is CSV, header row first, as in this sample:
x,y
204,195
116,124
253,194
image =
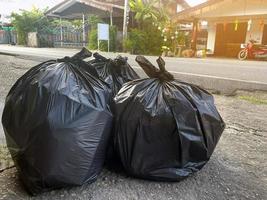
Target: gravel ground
x,y
237,169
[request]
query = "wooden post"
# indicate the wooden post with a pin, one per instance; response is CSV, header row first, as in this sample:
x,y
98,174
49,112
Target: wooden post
x,y
111,17
125,15
61,33
194,35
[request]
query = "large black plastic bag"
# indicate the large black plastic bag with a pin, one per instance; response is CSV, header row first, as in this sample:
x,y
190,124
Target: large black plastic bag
x,y
57,124
115,72
164,129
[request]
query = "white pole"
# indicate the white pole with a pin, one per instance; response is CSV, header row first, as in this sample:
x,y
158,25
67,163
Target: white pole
x,y
111,18
125,19
61,33
83,31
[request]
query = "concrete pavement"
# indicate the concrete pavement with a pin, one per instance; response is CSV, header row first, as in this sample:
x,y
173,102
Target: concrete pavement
x,y
236,170
221,75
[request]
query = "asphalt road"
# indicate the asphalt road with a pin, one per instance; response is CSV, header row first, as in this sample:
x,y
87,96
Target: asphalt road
x,y
251,71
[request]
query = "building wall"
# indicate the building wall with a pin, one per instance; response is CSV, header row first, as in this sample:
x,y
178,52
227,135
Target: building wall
x,y
255,32
32,39
228,8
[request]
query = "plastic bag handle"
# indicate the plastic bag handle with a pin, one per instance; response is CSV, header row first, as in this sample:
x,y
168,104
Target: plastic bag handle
x,y
99,57
119,60
84,53
152,71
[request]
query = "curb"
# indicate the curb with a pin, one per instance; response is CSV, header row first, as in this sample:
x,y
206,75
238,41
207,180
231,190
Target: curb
x,y
226,86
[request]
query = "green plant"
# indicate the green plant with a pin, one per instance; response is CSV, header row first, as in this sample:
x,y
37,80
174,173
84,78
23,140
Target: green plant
x,y
93,39
93,20
146,39
144,42
136,41
113,38
29,21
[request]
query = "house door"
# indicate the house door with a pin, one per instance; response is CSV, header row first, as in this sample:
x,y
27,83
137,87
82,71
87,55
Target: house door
x,y
264,37
228,40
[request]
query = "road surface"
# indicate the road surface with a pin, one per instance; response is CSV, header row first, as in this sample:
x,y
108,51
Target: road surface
x,y
254,71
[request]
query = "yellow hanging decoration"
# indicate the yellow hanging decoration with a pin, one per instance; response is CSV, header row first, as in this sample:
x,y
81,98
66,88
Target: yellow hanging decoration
x,y
236,25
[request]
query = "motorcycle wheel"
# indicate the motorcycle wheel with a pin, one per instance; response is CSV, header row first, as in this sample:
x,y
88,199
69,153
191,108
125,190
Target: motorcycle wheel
x,y
242,55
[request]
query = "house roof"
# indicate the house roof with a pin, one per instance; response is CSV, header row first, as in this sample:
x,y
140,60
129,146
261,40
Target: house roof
x,y
218,9
183,3
189,12
73,9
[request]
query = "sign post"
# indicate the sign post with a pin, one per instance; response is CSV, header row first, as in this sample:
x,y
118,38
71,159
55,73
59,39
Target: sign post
x,y
102,33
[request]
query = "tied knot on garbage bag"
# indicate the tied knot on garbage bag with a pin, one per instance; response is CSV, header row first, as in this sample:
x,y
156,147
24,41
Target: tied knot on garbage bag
x,y
152,71
83,54
99,57
115,72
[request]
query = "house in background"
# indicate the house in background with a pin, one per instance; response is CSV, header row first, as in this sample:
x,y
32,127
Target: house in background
x,y
7,32
110,11
230,23
77,9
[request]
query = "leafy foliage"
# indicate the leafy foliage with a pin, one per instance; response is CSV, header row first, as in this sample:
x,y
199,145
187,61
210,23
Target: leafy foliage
x,y
29,21
147,38
144,42
93,20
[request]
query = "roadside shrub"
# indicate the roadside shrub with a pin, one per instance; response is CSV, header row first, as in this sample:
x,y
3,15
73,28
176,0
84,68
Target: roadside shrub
x,y
30,21
93,39
147,41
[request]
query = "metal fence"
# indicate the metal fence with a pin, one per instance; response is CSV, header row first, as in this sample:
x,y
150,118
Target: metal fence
x,y
63,38
7,37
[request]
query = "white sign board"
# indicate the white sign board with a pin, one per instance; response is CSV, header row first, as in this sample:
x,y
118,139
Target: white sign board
x,y
103,31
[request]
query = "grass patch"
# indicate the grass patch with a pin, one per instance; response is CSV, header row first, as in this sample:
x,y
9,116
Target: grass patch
x,y
253,99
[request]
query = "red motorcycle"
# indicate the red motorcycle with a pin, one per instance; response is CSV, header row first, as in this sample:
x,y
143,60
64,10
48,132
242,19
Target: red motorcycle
x,y
254,51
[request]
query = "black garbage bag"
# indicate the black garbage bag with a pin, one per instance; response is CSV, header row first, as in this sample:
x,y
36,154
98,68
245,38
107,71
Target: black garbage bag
x,y
115,72
164,129
57,123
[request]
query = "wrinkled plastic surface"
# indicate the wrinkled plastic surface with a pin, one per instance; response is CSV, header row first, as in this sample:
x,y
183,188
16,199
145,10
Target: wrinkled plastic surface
x,y
114,72
165,129
57,124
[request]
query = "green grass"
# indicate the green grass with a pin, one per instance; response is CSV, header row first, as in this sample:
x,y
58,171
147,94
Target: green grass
x,y
253,99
